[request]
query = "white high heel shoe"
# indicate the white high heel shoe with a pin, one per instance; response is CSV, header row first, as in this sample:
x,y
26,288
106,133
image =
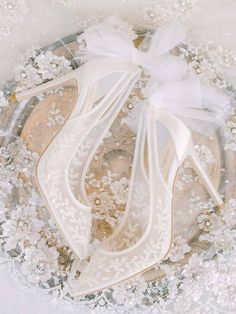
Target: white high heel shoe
x,y
83,132
144,236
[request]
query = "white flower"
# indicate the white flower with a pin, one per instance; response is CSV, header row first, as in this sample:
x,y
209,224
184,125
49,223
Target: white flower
x,y
10,243
119,189
130,293
230,135
221,280
104,207
120,295
209,221
221,239
228,213
193,266
108,179
205,154
23,226
50,65
102,201
27,76
178,249
3,211
44,67
40,263
3,101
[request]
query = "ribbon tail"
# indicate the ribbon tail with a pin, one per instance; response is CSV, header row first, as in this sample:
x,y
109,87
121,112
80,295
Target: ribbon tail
x,y
104,40
216,101
167,37
191,101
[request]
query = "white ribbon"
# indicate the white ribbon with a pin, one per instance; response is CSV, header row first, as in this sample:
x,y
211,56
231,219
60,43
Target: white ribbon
x,y
183,100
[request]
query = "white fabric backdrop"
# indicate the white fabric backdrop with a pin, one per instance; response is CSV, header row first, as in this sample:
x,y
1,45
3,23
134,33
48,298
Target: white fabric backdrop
x,y
14,300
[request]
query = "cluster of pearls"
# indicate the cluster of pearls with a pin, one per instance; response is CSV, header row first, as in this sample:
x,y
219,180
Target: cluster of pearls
x,y
50,65
230,126
205,154
230,134
210,62
40,68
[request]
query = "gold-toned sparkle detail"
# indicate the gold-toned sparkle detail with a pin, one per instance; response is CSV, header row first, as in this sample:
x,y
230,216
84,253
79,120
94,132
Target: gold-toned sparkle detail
x,y
12,98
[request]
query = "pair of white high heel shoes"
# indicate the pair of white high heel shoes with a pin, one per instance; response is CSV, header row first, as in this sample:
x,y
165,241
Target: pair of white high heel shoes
x,y
144,235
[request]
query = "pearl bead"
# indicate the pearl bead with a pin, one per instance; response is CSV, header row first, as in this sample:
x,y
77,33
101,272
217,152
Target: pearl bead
x,y
97,201
198,70
130,106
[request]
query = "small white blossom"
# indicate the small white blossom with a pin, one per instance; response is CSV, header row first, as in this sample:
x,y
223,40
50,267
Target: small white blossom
x,y
3,100
119,189
44,67
40,262
178,249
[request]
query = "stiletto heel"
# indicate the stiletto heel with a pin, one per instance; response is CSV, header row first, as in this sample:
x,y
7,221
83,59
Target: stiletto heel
x,y
34,91
202,173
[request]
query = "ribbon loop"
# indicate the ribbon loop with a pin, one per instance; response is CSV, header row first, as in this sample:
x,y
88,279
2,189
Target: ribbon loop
x,y
186,98
106,40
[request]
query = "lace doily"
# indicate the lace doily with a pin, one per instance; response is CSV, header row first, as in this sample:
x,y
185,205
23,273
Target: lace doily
x,y
199,275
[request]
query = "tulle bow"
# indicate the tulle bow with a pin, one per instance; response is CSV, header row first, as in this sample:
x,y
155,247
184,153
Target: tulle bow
x,y
187,98
106,41
174,89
